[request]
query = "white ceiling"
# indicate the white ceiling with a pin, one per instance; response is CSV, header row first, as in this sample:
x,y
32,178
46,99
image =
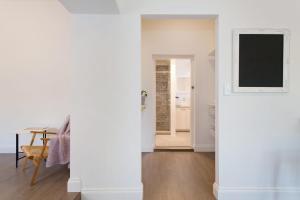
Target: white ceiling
x,y
91,6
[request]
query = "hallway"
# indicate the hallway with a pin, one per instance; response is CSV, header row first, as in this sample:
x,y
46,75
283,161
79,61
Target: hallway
x,y
178,176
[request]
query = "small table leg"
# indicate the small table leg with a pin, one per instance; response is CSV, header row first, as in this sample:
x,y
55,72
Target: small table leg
x,y
17,149
44,136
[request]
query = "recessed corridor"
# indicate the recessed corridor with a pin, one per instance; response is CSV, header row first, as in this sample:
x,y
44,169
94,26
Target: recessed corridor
x,y
178,176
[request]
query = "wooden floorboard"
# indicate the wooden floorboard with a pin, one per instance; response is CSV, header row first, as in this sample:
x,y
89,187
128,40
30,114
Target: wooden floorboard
x,y
15,184
166,176
178,176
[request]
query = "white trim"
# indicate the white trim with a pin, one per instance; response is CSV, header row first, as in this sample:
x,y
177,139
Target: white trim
x,y
204,148
74,185
178,16
194,104
236,34
8,149
172,96
217,66
250,193
112,193
215,190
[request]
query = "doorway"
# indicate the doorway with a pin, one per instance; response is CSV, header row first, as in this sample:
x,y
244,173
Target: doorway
x,y
165,39
174,84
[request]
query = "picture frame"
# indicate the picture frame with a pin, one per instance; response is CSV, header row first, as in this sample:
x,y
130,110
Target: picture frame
x,y
252,70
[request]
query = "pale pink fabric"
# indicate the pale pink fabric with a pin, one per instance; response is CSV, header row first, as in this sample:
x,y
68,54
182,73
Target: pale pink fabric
x,y
59,146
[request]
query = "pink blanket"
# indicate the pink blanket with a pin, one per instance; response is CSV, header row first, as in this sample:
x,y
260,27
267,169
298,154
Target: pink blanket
x,y
59,146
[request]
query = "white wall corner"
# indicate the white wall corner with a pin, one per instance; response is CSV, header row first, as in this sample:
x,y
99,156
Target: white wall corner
x,y
147,149
113,193
259,193
204,148
74,185
7,149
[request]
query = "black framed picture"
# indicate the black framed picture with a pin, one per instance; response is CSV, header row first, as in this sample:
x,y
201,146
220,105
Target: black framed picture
x,y
260,60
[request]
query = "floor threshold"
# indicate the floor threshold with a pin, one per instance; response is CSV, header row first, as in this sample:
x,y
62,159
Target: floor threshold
x,y
174,148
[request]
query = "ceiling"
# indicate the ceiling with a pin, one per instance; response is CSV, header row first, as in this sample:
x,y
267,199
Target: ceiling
x,y
91,6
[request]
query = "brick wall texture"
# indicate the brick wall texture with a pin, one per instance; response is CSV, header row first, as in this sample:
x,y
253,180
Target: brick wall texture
x,y
163,88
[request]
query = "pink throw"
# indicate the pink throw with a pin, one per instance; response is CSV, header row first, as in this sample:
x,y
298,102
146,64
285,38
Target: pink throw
x,y
59,146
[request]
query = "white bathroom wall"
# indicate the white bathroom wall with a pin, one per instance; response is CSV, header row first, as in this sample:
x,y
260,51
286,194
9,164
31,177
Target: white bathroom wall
x,y
34,67
179,37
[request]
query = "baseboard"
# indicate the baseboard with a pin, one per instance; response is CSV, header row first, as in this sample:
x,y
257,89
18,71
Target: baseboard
x,y
112,193
256,193
215,190
74,185
163,132
95,193
147,149
7,149
204,148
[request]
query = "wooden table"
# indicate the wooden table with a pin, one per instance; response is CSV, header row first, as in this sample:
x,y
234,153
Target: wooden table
x,y
43,130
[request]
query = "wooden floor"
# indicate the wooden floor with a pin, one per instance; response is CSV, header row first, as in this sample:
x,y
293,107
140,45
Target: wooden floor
x,y
166,176
178,176
15,184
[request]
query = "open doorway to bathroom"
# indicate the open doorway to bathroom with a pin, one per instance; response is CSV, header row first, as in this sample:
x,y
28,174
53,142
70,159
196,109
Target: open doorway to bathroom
x,y
174,86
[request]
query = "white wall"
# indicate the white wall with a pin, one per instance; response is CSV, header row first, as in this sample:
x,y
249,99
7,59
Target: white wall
x,y
183,67
179,37
258,134
105,142
183,82
34,66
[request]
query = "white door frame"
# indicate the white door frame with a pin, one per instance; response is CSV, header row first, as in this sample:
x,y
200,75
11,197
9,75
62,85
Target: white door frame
x,y
156,57
172,98
217,76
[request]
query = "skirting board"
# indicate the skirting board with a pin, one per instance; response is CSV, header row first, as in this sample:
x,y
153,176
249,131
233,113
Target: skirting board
x,y
163,133
94,193
256,193
112,193
7,149
74,185
204,148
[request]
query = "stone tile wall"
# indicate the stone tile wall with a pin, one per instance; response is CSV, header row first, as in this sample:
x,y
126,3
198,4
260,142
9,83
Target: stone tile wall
x,y
163,88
